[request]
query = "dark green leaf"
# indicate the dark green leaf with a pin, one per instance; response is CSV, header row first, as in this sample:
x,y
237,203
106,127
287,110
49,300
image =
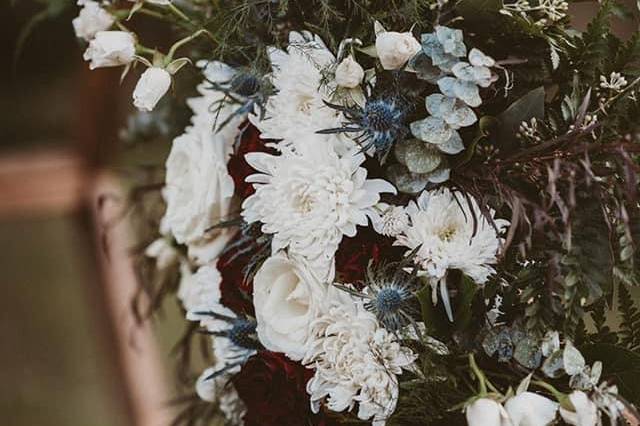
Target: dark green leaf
x,y
527,107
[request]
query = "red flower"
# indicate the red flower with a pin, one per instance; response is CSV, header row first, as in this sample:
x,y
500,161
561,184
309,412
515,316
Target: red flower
x,y
236,287
238,167
274,390
354,254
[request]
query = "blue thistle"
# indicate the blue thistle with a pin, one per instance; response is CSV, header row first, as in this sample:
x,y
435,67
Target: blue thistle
x,y
379,125
389,293
241,333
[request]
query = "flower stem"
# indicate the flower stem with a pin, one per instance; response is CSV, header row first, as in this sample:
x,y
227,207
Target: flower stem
x,y
184,41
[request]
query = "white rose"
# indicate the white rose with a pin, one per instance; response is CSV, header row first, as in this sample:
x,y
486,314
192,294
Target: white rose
x,y
285,297
395,49
151,87
110,49
349,73
585,414
91,20
198,188
530,409
487,412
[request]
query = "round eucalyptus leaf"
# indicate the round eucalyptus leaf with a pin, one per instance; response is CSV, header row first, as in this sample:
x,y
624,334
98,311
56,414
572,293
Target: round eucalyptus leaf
x,y
421,157
405,181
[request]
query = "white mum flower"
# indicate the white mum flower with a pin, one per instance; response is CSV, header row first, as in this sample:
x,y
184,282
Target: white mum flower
x,y
442,228
298,108
309,198
198,187
393,220
356,361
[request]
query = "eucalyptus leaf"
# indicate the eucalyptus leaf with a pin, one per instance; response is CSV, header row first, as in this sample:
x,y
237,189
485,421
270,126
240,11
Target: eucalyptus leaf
x,y
421,157
553,366
405,181
527,352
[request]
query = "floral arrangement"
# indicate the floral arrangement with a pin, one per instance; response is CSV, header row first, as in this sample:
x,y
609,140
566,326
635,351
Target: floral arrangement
x,y
408,212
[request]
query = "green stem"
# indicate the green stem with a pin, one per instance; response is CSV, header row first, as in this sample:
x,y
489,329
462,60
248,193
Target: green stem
x,y
180,14
479,374
182,42
555,392
145,50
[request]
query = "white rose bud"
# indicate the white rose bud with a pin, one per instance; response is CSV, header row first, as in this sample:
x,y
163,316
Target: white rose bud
x,y
487,412
585,414
286,297
349,73
91,20
110,49
395,49
151,87
530,409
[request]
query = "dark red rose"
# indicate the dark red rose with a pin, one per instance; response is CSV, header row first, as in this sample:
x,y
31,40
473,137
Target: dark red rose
x,y
236,286
238,167
274,390
354,254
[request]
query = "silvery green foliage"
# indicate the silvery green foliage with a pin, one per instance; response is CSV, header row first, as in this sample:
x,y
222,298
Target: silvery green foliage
x,y
419,164
442,63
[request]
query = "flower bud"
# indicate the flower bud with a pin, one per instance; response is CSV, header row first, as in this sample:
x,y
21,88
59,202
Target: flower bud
x,y
110,49
395,49
585,412
151,87
349,73
530,409
91,20
487,412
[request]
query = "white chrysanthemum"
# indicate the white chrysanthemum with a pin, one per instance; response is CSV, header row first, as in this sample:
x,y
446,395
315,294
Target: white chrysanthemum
x,y
355,360
451,234
393,220
198,188
309,198
297,109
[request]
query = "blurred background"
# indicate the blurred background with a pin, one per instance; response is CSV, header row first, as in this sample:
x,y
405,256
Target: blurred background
x,y
72,353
